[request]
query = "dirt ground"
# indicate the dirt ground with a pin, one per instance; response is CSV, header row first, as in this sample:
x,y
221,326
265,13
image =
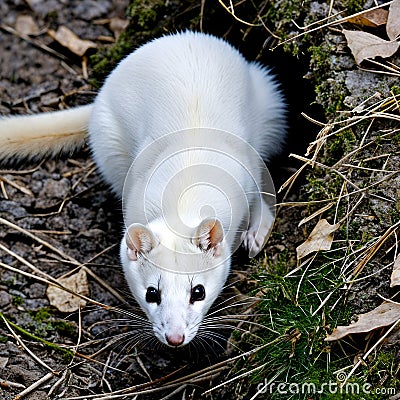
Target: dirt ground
x,y
63,204
59,217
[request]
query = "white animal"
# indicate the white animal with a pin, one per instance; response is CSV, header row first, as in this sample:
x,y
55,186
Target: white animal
x,y
177,131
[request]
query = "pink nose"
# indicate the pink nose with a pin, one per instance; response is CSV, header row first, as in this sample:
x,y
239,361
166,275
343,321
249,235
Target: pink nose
x,y
175,339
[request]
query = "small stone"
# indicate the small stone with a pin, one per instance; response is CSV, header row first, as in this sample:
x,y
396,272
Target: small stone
x,y
54,189
5,299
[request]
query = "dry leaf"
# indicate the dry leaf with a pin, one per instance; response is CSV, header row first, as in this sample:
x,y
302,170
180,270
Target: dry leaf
x,y
70,40
26,25
393,23
65,301
118,25
320,238
395,278
364,45
383,315
371,19
3,362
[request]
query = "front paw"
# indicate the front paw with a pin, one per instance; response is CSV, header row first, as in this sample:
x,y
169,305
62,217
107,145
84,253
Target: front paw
x,y
254,240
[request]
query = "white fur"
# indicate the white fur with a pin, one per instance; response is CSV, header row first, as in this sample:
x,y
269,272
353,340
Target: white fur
x,y
179,82
176,131
183,81
35,136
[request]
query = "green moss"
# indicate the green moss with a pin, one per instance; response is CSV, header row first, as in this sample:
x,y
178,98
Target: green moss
x,y
330,94
281,14
65,328
144,12
17,301
67,354
105,60
339,145
320,54
323,185
43,324
236,336
298,355
41,315
395,90
3,339
353,6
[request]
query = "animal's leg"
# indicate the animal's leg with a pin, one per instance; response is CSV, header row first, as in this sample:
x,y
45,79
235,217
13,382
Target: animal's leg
x,y
261,221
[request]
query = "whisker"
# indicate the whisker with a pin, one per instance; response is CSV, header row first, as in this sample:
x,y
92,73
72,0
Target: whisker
x,y
130,314
217,304
212,336
208,343
130,343
227,307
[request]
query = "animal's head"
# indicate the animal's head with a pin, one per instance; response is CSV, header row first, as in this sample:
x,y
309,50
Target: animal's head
x,y
175,280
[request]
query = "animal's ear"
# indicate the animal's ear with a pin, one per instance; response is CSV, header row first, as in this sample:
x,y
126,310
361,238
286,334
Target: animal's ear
x,y
209,235
140,240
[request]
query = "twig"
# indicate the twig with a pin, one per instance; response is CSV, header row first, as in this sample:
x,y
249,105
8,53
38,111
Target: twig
x,y
313,162
373,249
365,356
37,239
58,383
22,171
172,394
23,345
34,386
8,384
339,21
234,378
3,190
16,186
27,263
315,214
231,11
35,43
56,284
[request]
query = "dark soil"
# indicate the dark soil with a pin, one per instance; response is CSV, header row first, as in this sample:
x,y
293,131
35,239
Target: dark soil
x,y
64,203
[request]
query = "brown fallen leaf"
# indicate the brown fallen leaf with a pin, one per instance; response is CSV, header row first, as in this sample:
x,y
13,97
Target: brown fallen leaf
x,y
395,277
65,301
118,25
384,315
393,23
71,41
3,362
26,25
364,45
320,238
371,19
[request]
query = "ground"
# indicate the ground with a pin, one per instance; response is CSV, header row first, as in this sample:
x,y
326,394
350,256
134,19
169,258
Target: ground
x,y
58,216
65,204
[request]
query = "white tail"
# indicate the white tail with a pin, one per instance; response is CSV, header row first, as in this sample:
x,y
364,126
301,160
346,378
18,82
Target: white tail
x,y
46,134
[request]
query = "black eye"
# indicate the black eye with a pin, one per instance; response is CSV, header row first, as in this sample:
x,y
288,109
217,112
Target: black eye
x,y
198,293
153,295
